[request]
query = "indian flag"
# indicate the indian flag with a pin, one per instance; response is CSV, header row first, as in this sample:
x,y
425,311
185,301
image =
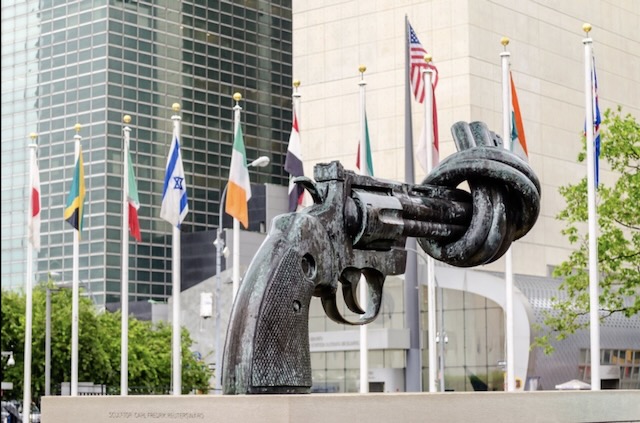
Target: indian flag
x,y
518,141
239,188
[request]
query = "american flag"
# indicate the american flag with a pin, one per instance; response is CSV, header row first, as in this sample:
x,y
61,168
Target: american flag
x,y
416,56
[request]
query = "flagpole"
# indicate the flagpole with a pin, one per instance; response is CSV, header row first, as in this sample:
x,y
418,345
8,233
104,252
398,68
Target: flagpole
x,y
508,273
26,401
296,100
364,170
75,283
413,373
594,317
236,223
427,75
124,296
175,279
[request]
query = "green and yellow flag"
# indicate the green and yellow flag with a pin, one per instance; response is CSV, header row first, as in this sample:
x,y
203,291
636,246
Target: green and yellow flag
x,y
75,201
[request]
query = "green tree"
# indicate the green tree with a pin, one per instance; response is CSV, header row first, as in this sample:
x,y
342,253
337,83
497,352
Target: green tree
x,y
618,235
99,340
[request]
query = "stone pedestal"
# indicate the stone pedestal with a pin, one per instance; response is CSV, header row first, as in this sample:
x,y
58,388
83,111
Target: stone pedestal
x,y
468,407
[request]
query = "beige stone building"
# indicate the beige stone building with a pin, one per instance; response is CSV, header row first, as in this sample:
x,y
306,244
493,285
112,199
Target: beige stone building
x,y
331,39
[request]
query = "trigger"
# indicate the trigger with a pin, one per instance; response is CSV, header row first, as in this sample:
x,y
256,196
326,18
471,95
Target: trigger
x,y
350,280
308,184
375,281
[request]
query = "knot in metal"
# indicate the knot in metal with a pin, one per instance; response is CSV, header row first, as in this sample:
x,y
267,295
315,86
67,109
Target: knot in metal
x,y
505,197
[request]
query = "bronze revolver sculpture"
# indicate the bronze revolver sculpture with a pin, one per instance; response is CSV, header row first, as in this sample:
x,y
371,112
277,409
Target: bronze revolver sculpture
x,y
358,225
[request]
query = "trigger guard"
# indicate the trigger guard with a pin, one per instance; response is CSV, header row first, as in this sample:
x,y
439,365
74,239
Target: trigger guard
x,y
375,281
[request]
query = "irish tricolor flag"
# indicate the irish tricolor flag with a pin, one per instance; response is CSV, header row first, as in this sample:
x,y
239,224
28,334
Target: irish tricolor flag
x,y
239,188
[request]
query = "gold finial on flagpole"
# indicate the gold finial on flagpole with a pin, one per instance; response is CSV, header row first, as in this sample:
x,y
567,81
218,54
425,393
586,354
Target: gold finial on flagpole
x,y
33,137
428,58
237,97
505,42
296,84
362,69
586,27
77,127
175,107
126,119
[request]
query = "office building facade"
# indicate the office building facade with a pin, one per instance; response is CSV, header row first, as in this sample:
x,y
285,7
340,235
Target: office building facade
x,y
91,63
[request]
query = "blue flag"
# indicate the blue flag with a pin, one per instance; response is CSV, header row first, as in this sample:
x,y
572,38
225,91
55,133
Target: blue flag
x,y
596,121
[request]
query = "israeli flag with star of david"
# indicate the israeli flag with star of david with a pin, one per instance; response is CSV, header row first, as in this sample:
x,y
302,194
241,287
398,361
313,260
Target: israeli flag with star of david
x,y
174,194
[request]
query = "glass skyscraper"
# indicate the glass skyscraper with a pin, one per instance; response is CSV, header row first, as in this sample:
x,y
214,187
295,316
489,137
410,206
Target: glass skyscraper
x,y
92,62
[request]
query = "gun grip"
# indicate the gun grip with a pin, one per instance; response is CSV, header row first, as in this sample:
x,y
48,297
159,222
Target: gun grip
x,y
267,346
281,355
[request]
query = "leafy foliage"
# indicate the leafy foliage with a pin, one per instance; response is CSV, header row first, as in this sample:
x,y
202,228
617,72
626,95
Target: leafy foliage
x,y
618,211
98,347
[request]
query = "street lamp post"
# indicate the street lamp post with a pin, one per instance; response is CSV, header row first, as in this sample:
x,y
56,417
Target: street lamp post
x,y
10,360
261,161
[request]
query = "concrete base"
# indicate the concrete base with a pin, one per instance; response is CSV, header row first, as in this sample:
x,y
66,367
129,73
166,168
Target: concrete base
x,y
476,407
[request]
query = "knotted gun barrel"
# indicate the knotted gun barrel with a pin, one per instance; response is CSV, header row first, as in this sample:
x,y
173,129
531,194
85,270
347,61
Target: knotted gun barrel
x,y
356,227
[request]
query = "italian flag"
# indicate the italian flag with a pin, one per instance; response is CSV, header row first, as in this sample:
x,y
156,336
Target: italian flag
x,y
365,165
134,202
239,188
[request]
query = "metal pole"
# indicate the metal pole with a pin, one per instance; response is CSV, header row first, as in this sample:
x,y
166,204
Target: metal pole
x,y
413,371
76,286
47,345
431,296
364,170
443,338
176,356
426,261
26,399
508,272
218,293
594,318
124,296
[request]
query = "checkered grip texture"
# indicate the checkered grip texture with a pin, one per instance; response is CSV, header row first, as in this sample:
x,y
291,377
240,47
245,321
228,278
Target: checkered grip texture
x,y
281,355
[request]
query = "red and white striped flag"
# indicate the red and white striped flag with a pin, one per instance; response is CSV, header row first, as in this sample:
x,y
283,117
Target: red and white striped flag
x,y
416,56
